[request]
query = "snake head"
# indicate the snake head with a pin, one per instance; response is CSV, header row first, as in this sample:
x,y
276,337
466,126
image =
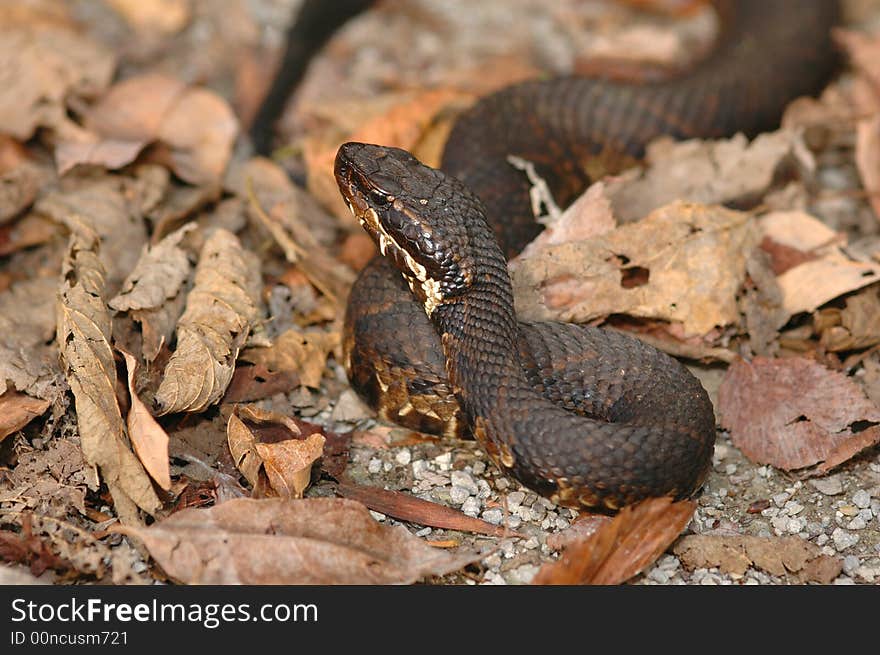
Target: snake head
x,y
405,207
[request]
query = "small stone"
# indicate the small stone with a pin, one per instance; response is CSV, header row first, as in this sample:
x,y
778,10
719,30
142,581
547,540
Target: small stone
x,y
866,514
795,525
843,539
387,466
444,461
861,499
377,515
515,499
375,465
493,516
848,510
479,467
403,456
722,492
424,532
502,483
850,564
830,486
822,539
522,574
730,469
462,479
780,498
419,468
658,575
843,580
483,489
531,543
458,495
866,573
471,506
858,523
514,522
793,508
494,578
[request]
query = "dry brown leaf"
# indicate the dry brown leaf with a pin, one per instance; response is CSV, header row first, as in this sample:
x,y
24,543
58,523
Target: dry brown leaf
x,y
28,357
621,548
400,122
157,16
149,439
256,382
285,456
683,264
415,510
303,352
708,172
83,332
867,158
855,327
792,413
275,541
19,187
102,208
826,271
197,126
779,556
220,311
45,69
17,410
158,275
31,230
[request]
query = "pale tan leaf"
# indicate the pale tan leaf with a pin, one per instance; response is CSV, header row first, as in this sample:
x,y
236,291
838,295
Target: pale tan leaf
x,y
709,172
303,352
220,311
27,323
827,271
158,276
44,69
288,464
683,264
83,332
17,410
276,541
149,440
159,16
778,556
867,158
242,447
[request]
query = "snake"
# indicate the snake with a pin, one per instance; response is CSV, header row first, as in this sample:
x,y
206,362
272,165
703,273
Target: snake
x,y
587,416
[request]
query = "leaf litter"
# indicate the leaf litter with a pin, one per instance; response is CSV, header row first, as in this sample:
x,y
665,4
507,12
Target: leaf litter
x,y
126,207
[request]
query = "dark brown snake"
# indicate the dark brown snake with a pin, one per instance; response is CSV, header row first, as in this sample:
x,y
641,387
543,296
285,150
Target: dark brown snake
x,y
586,416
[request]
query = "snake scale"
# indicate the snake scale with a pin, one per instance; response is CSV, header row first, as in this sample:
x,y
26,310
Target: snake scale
x,y
588,417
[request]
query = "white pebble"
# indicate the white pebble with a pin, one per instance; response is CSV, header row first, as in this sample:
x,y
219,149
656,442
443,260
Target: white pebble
x,y
861,499
403,456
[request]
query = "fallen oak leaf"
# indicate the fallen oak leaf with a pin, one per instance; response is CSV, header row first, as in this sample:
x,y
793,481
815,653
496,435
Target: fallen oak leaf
x,y
17,410
276,541
793,413
621,548
220,311
149,439
302,352
271,444
415,510
777,555
83,332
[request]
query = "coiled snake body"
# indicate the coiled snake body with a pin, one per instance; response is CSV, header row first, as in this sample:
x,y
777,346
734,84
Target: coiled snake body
x,y
589,417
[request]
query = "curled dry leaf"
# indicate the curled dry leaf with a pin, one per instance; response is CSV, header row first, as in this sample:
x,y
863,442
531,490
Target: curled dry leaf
x,y
793,413
819,269
622,547
285,456
197,126
708,172
683,264
778,556
303,352
854,327
83,333
410,508
17,410
275,541
19,187
149,439
44,69
158,275
220,311
28,359
867,158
